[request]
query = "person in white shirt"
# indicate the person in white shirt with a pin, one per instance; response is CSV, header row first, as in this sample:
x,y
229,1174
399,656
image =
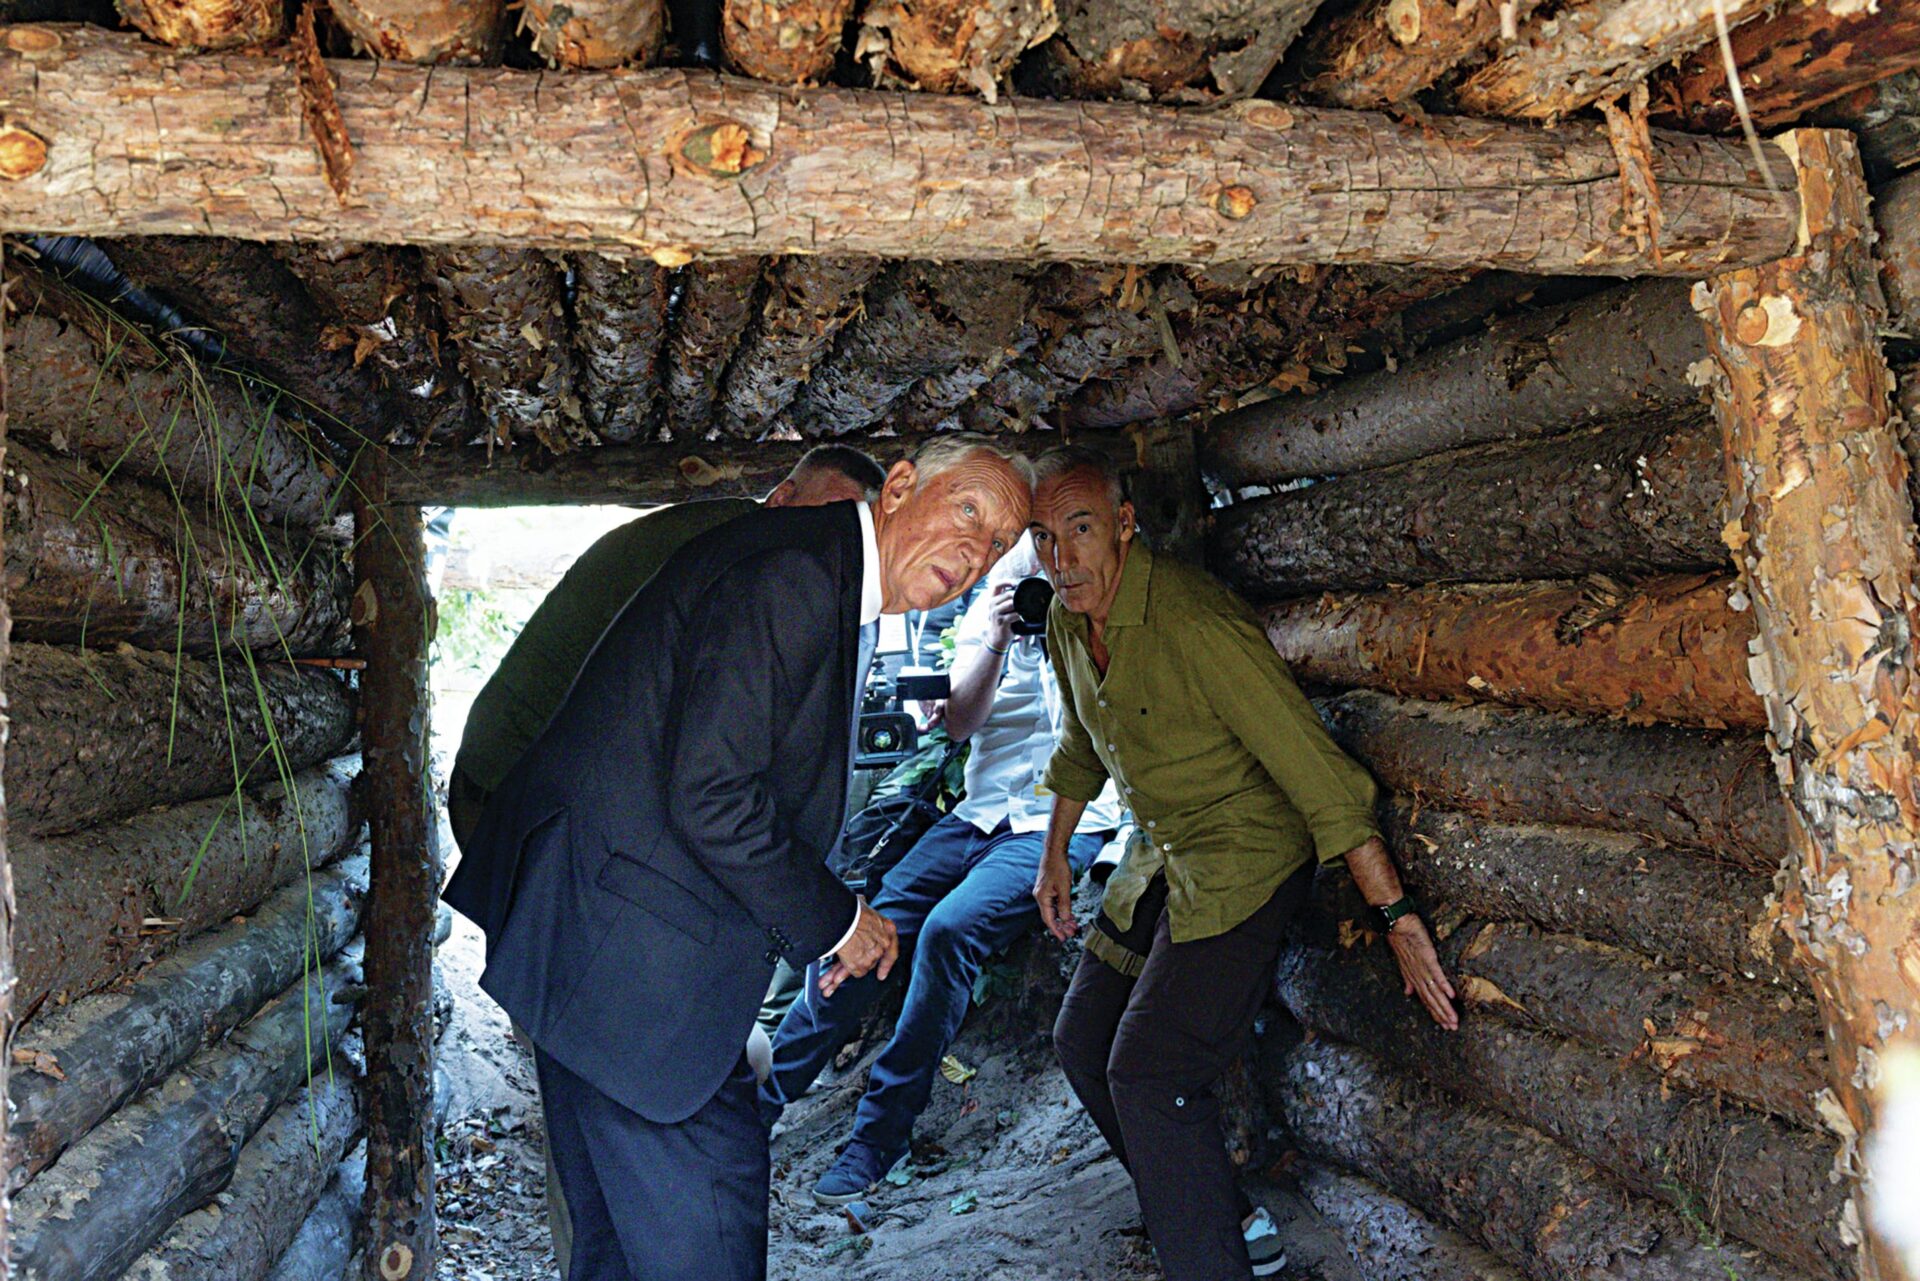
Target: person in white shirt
x,y
962,893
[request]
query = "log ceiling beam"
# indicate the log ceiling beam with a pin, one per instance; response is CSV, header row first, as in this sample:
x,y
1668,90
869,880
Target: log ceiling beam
x,y
1386,51
677,165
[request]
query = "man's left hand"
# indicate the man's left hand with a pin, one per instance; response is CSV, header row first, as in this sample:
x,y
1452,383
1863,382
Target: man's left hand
x,y
1420,970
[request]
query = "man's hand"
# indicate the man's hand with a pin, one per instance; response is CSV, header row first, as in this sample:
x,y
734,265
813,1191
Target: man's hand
x,y
873,947
1053,891
1420,970
1001,616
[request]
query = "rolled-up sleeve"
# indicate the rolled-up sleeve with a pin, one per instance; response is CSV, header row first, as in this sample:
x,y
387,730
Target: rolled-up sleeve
x,y
1075,770
1251,691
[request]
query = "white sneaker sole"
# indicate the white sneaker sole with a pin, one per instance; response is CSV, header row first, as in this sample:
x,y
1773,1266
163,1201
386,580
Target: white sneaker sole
x,y
1272,1267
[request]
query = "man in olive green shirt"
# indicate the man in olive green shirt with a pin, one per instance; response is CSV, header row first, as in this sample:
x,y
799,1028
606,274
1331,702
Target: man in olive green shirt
x,y
1174,694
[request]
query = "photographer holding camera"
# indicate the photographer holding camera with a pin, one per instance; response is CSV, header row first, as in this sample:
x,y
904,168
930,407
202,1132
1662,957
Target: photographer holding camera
x,y
962,893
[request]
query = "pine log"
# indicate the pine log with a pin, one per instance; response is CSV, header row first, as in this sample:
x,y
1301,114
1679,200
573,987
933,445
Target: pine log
x,y
1624,500
1761,1047
1824,535
1592,49
715,304
937,401
1704,789
324,1245
1600,885
1211,343
1543,1209
82,381
807,301
425,31
1896,214
947,46
1800,58
101,735
449,156
619,322
1180,50
1885,116
1383,52
114,1045
1616,354
506,312
595,33
206,24
790,42
109,1199
1388,1239
1671,649
1754,1177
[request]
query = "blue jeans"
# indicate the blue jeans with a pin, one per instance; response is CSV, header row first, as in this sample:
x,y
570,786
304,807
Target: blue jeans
x,y
958,897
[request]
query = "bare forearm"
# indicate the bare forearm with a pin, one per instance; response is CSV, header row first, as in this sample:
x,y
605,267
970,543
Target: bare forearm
x,y
1061,825
974,679
1374,873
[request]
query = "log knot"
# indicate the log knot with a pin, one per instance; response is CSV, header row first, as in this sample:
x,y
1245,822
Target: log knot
x,y
23,152
720,149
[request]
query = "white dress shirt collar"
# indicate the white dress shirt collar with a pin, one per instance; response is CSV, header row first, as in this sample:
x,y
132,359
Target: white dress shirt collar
x,y
870,556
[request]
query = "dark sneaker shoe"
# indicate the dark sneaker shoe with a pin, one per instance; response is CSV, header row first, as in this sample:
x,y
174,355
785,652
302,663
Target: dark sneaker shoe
x,y
858,1169
1263,1243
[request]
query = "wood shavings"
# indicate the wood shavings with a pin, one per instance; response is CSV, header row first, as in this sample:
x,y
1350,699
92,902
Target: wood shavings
x,y
317,104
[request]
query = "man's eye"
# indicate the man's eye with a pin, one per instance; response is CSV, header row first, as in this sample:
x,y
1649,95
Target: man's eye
x,y
966,509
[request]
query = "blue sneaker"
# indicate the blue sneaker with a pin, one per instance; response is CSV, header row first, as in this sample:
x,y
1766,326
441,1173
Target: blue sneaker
x,y
1264,1250
857,1170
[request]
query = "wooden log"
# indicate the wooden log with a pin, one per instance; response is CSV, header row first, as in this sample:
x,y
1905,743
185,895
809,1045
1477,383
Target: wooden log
x,y
619,322
1543,1209
109,1199
1896,214
1382,53
206,24
392,634
1599,359
84,382
1748,1175
322,1248
444,155
425,31
1623,500
98,563
1824,535
1708,790
1388,1239
1591,50
1886,118
937,400
806,303
716,302
948,46
1670,649
595,33
1181,50
113,1045
9,1011
1761,1047
791,43
506,311
1802,57
102,735
1600,885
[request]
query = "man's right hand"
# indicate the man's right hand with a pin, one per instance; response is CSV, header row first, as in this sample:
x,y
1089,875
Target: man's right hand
x,y
1053,891
1001,616
873,947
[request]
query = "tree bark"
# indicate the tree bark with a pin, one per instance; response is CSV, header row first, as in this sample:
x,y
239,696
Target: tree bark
x,y
1602,886
1757,1179
1671,649
596,33
1800,58
1382,53
620,321
715,305
103,735
1623,500
1702,789
113,1046
478,157
1885,116
206,24
324,1245
938,401
9,1017
425,31
948,46
789,42
807,302
1824,535
1620,353
1180,50
109,1199
1591,50
1388,1239
1896,215
506,312
1543,1209
392,634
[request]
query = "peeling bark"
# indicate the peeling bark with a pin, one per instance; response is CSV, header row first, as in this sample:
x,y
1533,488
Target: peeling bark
x,y
947,46
790,42
1180,50
1896,216
205,24
1670,649
938,400
1388,1239
620,319
595,33
715,304
506,312
425,31
1383,52
808,300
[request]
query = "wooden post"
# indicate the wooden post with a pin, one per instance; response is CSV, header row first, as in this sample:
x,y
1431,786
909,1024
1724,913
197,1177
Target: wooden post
x,y
6,867
1824,536
392,625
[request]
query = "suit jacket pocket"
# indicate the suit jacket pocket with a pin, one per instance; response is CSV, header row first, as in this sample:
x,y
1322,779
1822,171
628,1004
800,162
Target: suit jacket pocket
x,y
653,891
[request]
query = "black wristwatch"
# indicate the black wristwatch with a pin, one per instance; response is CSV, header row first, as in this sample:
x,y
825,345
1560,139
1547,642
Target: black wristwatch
x,y
1394,911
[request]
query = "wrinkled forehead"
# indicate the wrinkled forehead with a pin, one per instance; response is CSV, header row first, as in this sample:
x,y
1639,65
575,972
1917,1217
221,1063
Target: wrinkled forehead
x,y
1058,497
995,481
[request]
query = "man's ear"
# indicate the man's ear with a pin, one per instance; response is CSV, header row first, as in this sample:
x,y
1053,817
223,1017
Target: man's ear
x,y
782,494
898,486
1125,516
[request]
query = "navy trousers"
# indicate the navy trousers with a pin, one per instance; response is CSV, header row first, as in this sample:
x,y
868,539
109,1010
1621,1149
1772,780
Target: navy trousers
x,y
652,1202
958,897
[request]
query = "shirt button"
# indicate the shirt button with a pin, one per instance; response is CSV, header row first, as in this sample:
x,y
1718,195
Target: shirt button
x,y
1151,823
1167,848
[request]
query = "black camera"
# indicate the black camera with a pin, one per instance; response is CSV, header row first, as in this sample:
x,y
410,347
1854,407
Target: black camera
x,y
1030,601
887,734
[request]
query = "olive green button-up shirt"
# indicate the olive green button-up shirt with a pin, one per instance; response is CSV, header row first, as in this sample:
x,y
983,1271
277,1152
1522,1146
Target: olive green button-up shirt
x,y
1231,777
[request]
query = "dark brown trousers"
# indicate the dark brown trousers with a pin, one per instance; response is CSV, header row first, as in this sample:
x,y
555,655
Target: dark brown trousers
x,y
1144,1054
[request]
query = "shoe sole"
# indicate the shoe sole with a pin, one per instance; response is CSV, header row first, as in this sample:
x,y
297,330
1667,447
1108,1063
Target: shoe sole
x,y
834,1200
1272,1267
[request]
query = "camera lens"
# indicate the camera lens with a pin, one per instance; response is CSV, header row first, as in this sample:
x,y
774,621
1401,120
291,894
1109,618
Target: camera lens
x,y
1030,601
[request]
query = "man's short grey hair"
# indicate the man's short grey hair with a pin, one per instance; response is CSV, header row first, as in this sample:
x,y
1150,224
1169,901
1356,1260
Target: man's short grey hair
x,y
1063,460
856,466
950,448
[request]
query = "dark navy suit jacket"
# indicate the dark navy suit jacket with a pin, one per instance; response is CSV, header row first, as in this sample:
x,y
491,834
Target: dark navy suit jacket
x,y
663,841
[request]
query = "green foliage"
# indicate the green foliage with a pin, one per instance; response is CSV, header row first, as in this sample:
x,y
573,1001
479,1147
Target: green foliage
x,y
475,628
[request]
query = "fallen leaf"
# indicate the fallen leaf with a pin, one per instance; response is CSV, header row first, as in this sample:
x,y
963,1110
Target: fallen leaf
x,y
966,1203
956,1071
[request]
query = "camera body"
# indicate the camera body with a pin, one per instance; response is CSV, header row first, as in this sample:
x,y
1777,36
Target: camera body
x,y
887,733
1030,601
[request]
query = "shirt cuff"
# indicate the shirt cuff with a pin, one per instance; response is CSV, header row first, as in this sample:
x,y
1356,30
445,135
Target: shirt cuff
x,y
845,938
1072,780
1334,835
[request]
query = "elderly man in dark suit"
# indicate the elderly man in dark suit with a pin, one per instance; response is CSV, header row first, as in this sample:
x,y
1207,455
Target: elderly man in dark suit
x,y
662,843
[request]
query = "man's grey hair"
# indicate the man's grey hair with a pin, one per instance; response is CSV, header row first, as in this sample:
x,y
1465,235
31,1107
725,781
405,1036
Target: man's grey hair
x,y
856,466
950,448
1063,460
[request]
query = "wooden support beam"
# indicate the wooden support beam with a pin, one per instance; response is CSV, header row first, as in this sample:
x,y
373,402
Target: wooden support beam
x,y
619,323
595,33
1824,536
806,303
701,164
1179,50
1383,52
392,630
950,46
